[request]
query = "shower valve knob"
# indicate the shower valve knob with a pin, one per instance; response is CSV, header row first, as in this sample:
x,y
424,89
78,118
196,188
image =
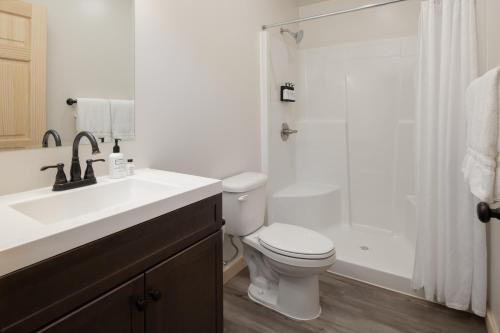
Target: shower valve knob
x,y
286,132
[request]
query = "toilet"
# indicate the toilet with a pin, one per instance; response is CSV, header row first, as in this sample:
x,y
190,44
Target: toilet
x,y
284,260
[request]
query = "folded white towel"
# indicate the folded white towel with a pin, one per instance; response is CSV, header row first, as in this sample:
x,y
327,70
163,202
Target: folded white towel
x,y
122,119
94,115
480,166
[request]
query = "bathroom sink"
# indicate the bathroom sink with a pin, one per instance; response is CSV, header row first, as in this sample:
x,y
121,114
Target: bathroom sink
x,y
91,200
40,224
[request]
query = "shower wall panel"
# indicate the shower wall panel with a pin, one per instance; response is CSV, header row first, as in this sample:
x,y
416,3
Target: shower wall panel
x,y
356,116
283,63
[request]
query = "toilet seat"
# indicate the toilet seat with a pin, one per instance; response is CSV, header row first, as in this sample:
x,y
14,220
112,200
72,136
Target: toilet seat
x,y
253,241
296,242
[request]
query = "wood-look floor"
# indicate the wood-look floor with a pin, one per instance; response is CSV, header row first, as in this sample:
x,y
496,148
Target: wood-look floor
x,y
348,306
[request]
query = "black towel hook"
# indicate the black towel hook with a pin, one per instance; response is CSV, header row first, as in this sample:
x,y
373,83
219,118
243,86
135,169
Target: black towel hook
x,y
71,101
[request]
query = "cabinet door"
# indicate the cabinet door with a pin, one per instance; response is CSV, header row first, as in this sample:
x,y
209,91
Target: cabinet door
x,y
185,292
116,311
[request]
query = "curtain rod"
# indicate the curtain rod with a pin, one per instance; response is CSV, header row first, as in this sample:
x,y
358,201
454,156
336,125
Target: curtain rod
x,y
373,5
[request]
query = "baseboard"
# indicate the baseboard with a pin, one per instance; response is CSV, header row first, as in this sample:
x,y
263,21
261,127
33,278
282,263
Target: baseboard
x,y
491,322
232,269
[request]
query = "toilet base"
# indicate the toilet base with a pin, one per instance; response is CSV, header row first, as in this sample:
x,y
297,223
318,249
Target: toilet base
x,y
284,284
269,297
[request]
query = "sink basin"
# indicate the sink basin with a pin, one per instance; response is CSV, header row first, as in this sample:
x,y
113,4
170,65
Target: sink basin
x,y
90,200
40,224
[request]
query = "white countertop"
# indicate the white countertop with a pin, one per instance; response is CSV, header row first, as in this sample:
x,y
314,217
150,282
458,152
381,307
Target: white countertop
x,y
26,239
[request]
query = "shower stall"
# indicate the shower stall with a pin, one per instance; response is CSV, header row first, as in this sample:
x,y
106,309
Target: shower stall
x,y
348,172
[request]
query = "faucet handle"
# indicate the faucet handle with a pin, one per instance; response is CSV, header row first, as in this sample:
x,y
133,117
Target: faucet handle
x,y
89,171
60,176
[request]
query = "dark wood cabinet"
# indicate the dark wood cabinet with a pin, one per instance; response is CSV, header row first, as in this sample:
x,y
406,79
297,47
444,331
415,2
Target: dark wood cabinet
x,y
181,291
163,275
116,311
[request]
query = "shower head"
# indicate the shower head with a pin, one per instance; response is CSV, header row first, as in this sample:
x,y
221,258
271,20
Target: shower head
x,y
298,36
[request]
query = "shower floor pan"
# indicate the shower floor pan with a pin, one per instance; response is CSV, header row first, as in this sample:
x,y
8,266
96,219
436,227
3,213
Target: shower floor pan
x,y
373,256
367,254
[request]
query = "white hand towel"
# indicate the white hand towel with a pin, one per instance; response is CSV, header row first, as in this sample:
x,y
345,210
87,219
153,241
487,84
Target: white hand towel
x,y
122,119
94,115
480,166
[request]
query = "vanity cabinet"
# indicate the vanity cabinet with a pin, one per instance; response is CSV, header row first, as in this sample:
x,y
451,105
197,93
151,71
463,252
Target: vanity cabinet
x,y
163,275
113,312
182,293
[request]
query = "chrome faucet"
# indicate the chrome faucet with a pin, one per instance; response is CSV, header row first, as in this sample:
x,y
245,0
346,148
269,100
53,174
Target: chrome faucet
x,y
55,134
61,183
76,171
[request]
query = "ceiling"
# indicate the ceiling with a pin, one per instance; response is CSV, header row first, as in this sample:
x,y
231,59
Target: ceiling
x,y
307,2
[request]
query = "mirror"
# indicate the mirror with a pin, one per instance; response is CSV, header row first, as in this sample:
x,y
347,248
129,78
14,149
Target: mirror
x,y
65,66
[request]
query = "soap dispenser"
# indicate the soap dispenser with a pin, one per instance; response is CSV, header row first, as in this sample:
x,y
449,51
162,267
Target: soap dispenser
x,y
117,164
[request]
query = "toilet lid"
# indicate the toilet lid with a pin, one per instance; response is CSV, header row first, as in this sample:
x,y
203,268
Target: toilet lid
x,y
296,242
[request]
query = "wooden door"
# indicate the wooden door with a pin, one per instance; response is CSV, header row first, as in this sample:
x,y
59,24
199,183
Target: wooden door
x,y
116,311
185,292
23,53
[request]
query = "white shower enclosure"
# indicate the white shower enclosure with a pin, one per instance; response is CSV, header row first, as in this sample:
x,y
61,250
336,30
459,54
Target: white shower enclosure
x,y
349,171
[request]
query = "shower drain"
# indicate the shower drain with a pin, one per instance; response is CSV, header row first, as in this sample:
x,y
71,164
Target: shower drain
x,y
364,248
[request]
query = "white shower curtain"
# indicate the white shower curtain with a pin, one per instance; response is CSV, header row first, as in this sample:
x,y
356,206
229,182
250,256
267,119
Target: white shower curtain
x,y
450,262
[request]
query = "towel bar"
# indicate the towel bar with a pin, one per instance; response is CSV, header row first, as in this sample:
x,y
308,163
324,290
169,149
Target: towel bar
x,y
485,213
71,101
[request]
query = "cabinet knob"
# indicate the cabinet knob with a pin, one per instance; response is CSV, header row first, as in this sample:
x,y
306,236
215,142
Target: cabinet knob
x,y
155,295
141,303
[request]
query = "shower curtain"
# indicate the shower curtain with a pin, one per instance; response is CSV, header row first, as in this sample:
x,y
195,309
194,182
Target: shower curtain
x,y
450,261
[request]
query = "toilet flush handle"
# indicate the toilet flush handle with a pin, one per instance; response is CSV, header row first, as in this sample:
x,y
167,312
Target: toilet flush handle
x,y
243,198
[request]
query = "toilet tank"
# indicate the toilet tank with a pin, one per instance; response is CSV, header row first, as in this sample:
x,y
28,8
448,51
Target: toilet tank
x,y
244,203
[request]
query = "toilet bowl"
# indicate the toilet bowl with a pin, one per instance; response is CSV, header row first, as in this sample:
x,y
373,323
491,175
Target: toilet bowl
x,y
282,278
284,260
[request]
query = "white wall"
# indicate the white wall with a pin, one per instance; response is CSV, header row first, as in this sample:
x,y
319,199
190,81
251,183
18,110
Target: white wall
x,y
90,54
198,94
20,169
391,21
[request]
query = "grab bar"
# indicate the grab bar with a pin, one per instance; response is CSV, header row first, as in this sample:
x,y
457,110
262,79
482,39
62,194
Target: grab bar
x,y
485,213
